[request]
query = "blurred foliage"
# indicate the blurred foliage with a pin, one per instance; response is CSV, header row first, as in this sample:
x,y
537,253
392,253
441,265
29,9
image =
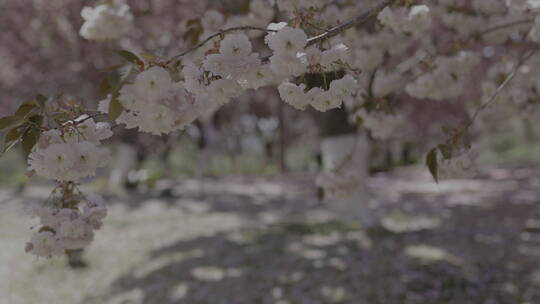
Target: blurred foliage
x,y
12,168
186,160
516,144
183,162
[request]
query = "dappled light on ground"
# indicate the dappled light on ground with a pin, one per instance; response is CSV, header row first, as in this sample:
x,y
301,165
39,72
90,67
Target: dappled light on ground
x,y
264,240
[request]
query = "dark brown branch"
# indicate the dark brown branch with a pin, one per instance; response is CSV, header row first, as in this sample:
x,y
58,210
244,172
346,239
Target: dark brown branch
x,y
358,20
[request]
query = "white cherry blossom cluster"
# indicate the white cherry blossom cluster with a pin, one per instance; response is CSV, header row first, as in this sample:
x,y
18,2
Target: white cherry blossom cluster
x,y
106,22
66,225
209,90
234,68
287,46
71,152
154,103
330,60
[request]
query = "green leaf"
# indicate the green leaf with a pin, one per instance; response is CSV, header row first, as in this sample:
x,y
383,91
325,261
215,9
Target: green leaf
x,y
46,228
431,163
147,57
446,151
175,73
60,116
26,108
193,22
115,107
11,136
29,140
194,31
10,122
112,68
446,130
8,147
37,119
104,87
130,57
359,121
244,7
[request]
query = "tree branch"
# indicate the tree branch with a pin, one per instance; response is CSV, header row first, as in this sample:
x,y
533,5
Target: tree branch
x,y
358,20
500,27
523,59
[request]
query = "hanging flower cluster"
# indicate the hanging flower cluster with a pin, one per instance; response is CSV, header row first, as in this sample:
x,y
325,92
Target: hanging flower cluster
x,y
67,222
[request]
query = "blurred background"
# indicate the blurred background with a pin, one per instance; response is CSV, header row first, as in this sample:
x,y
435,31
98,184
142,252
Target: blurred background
x,y
228,211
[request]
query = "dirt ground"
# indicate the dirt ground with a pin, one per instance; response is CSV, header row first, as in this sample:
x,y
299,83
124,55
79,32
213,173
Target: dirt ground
x,y
261,240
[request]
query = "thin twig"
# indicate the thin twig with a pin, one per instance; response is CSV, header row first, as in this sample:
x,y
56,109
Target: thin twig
x,y
499,27
490,30
358,20
504,26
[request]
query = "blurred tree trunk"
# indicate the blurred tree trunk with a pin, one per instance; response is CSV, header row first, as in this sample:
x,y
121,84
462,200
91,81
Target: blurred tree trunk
x,y
126,161
343,145
528,131
282,137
